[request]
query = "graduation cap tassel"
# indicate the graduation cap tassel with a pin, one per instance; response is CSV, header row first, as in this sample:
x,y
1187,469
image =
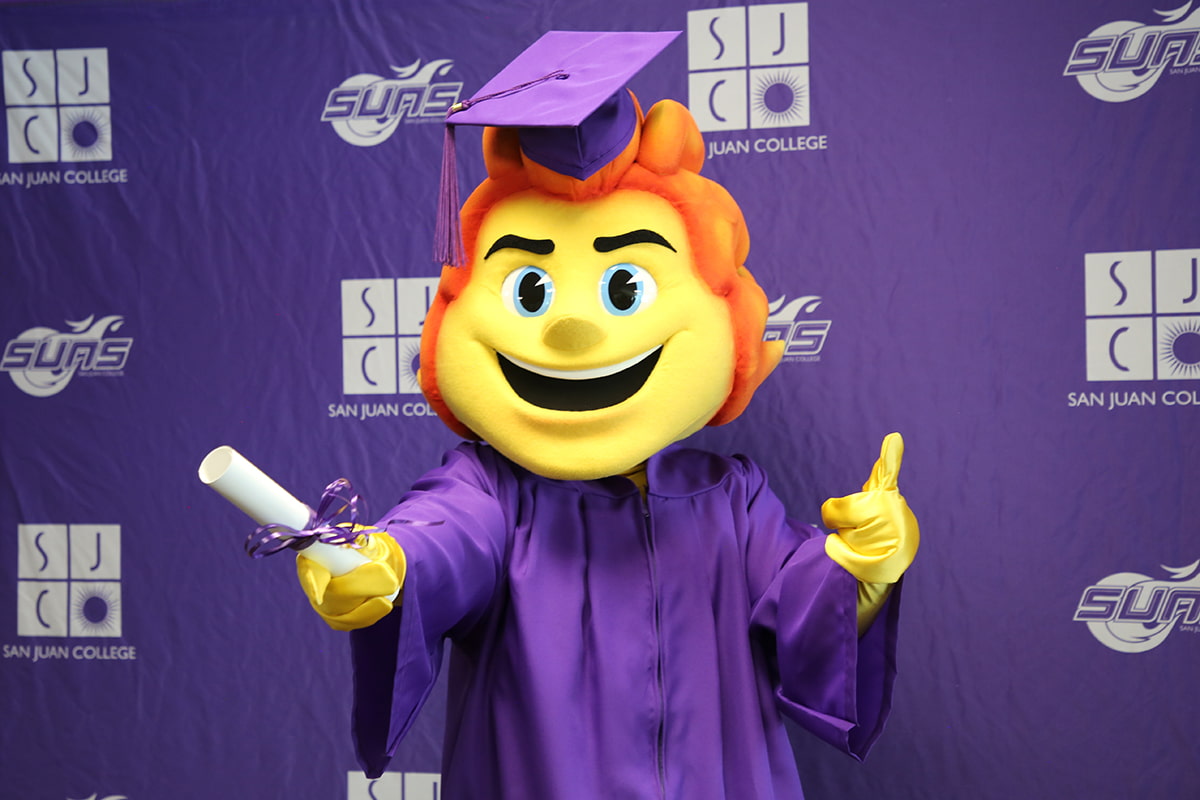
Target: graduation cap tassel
x,y
447,242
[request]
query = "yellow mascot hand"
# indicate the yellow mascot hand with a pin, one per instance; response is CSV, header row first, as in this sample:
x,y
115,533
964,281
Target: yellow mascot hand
x,y
360,597
877,534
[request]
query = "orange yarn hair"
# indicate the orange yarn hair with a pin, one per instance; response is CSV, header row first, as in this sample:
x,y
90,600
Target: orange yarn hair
x,y
664,158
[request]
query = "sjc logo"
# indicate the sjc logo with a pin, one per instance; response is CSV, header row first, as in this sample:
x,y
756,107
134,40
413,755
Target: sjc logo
x,y
381,333
1122,60
69,580
57,105
748,67
1143,315
394,786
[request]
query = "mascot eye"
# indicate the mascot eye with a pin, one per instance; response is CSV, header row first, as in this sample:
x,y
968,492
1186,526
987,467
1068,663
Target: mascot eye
x,y
626,289
527,291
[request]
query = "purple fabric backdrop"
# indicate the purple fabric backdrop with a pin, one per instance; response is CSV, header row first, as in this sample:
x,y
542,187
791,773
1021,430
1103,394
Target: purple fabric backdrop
x,y
215,227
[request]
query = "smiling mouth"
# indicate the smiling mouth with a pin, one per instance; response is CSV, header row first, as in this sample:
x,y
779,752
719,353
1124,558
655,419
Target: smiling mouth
x,y
578,390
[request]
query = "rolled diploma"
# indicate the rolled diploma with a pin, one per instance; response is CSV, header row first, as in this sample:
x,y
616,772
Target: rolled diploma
x,y
266,502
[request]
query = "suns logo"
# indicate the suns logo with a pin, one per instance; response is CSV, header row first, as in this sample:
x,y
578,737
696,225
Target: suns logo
x,y
1122,60
42,361
803,337
366,109
1132,613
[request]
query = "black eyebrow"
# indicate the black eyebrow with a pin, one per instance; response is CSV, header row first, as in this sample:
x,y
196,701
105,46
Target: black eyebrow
x,y
606,244
542,247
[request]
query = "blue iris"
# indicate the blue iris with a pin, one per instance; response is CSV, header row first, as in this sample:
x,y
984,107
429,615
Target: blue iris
x,y
626,289
528,291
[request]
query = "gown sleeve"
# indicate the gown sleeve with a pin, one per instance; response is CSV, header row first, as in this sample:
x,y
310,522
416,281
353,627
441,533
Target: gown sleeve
x,y
452,528
828,680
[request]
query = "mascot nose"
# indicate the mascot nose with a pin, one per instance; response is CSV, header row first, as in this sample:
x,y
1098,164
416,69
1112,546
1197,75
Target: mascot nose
x,y
572,333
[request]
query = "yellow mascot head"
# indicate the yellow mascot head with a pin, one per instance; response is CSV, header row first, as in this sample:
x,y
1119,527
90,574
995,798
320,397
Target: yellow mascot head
x,y
602,315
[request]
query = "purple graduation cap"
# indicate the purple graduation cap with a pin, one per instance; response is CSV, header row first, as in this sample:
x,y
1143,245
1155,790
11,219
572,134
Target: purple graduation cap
x,y
566,96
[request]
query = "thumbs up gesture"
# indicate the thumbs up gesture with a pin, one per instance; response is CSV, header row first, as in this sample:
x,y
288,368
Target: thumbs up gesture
x,y
877,534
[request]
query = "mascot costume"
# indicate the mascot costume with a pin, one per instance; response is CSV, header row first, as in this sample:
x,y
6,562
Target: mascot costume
x,y
626,617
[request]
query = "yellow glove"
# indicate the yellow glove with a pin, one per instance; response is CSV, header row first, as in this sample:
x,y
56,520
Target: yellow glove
x,y
877,535
360,597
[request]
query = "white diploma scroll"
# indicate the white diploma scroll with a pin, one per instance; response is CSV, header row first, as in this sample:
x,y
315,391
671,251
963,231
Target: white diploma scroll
x,y
266,502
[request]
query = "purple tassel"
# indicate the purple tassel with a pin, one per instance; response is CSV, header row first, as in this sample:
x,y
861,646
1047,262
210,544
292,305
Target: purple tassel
x,y
447,237
447,243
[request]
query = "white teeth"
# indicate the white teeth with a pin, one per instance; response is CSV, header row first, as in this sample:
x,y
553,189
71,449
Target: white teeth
x,y
581,374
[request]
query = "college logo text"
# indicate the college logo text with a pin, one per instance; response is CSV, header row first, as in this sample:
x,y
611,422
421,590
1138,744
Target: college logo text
x,y
748,69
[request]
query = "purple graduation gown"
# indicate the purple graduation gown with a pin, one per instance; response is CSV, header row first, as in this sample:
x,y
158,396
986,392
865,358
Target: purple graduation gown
x,y
606,646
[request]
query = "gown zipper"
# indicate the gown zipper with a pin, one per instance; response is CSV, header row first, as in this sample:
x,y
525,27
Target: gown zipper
x,y
659,676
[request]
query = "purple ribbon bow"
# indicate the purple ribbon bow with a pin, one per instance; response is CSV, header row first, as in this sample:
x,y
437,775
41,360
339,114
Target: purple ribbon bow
x,y
270,539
